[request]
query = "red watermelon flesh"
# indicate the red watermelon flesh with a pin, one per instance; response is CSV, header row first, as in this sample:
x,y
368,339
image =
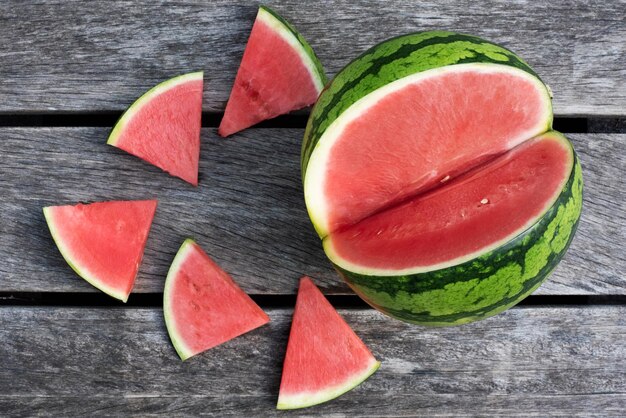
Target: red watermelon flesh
x,y
202,304
163,127
103,242
274,77
419,133
471,214
325,358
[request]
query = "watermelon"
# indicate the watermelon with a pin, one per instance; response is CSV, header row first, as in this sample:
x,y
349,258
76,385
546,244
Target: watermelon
x,y
325,358
434,180
279,73
202,305
163,126
103,242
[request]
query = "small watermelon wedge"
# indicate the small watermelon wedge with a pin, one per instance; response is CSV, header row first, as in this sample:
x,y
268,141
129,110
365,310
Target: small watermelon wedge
x,y
202,305
163,126
279,73
103,242
325,358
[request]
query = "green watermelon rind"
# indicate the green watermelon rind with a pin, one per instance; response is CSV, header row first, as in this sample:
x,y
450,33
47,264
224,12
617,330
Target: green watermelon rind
x,y
488,284
298,401
155,91
82,271
183,351
394,59
288,32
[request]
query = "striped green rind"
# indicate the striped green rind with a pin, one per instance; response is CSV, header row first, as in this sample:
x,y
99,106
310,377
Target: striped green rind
x,y
319,69
488,284
394,59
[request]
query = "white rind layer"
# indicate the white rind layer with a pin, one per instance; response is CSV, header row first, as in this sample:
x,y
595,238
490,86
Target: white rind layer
x,y
306,399
181,348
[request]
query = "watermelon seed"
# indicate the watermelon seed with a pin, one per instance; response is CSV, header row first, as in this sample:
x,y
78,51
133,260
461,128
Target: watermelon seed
x,y
443,180
484,201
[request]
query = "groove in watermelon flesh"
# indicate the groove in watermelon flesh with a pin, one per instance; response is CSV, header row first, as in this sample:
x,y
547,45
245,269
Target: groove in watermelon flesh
x,y
419,132
163,126
487,284
325,358
202,305
470,215
279,73
103,242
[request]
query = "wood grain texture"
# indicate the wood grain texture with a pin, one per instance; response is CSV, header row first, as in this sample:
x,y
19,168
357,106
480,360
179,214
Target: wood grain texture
x,y
110,362
248,211
96,56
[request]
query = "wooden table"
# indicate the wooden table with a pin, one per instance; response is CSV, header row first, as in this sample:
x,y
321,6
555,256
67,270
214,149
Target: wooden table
x,y
67,71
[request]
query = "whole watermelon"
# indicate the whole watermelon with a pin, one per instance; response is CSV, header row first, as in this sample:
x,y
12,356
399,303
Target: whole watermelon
x,y
395,151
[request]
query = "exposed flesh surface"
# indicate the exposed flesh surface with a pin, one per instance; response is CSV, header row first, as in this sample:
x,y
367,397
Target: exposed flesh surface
x,y
469,215
417,133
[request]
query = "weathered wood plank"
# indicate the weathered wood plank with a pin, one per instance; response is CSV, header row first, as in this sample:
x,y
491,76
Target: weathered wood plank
x,y
248,211
530,362
78,56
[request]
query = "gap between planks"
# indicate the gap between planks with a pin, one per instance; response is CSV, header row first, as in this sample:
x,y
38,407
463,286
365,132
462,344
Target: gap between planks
x,y
153,300
596,124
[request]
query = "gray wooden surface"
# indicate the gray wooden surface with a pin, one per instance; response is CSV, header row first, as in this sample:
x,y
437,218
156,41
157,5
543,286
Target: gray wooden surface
x,y
77,56
248,211
92,59
109,362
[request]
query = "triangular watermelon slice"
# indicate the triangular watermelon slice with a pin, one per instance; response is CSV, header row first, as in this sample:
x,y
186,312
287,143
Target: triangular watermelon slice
x,y
103,242
163,127
325,358
203,306
279,73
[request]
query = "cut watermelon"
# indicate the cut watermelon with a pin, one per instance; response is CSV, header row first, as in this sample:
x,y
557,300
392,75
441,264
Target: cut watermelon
x,y
279,73
325,358
433,177
103,242
203,306
163,127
